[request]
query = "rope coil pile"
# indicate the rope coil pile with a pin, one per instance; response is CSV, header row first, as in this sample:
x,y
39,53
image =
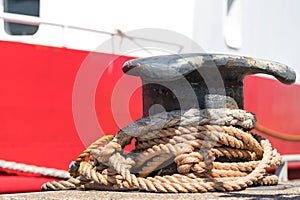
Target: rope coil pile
x,y
178,151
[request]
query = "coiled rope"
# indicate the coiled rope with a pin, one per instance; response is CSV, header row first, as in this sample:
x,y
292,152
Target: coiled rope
x,y
178,151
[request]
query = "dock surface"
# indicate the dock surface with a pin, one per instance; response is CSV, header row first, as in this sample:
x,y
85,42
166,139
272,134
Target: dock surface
x,y
288,190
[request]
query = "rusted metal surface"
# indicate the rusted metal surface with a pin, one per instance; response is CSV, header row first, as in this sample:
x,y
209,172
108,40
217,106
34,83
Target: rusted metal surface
x,y
184,81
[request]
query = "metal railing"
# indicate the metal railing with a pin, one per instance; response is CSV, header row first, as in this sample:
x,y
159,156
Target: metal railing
x,y
32,20
282,170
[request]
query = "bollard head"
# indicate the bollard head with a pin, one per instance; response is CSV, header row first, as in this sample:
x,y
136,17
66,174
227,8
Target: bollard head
x,y
184,81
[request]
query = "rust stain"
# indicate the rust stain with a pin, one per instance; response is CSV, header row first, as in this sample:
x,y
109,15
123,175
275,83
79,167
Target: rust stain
x,y
230,63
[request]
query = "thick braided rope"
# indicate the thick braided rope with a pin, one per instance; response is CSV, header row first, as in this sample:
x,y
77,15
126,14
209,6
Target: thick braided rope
x,y
34,169
76,164
192,151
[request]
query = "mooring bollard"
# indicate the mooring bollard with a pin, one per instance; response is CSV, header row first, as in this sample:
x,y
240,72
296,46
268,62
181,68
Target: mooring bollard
x,y
194,135
184,81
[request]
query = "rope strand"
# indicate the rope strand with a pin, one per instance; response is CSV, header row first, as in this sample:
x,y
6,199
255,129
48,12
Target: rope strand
x,y
34,169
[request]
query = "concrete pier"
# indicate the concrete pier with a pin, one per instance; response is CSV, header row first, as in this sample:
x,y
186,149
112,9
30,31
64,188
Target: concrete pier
x,y
286,190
